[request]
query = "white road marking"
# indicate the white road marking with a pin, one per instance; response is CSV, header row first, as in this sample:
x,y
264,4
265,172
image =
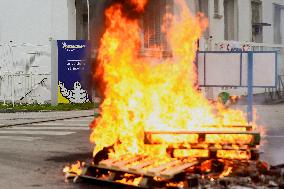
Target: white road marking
x,y
49,128
56,133
21,138
60,124
77,120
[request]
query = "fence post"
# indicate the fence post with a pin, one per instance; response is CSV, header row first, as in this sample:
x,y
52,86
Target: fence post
x,y
54,73
250,87
13,90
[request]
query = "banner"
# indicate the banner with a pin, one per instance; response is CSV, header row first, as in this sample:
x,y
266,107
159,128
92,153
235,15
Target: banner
x,y
73,72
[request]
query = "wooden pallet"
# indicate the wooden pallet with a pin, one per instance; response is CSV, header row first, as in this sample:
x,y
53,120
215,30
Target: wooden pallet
x,y
146,169
142,165
205,137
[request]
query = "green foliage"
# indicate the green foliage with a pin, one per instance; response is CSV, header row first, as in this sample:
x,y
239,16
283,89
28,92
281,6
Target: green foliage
x,y
46,107
223,97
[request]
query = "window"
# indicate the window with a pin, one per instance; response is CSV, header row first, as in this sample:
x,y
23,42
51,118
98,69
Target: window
x,y
256,19
203,8
152,24
278,24
230,20
217,9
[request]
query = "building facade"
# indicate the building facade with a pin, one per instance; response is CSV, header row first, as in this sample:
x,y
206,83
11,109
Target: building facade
x,y
38,22
240,24
28,27
246,24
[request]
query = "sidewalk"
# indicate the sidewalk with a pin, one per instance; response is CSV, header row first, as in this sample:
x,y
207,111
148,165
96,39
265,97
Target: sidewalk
x,y
269,117
9,119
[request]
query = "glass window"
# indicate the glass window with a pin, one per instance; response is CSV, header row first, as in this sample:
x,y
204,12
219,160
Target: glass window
x,y
278,24
230,20
256,19
152,23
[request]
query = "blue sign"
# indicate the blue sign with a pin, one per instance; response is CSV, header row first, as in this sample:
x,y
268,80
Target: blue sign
x,y
73,71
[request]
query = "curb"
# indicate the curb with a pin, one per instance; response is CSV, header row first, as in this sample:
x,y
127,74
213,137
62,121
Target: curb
x,y
43,121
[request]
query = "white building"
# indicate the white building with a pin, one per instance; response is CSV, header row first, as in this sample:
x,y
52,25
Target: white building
x,y
28,26
26,29
258,24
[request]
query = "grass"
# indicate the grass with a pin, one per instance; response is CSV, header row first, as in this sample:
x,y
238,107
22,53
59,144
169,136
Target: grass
x,y
45,107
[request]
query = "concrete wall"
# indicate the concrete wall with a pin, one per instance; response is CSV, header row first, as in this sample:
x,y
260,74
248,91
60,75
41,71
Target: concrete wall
x,y
268,16
71,19
36,21
216,26
244,20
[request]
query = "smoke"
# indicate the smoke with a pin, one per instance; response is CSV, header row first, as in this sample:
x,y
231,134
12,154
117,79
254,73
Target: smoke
x,y
130,10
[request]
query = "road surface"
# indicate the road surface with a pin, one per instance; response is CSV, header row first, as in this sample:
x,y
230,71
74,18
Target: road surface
x,y
32,155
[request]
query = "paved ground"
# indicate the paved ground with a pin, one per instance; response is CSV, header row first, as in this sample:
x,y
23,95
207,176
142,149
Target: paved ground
x,y
28,117
32,155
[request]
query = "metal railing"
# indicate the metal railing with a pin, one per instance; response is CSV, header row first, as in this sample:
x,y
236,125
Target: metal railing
x,y
17,87
275,94
23,69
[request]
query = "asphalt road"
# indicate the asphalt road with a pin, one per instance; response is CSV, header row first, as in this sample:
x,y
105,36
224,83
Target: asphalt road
x,y
32,156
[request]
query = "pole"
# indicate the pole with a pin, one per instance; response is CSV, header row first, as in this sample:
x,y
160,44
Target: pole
x,y
13,90
250,87
88,6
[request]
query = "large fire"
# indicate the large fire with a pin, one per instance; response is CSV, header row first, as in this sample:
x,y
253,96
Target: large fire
x,y
159,94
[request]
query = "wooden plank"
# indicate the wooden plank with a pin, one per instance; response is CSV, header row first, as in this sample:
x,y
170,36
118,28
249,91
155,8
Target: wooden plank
x,y
156,170
170,173
247,127
204,134
122,169
211,146
142,165
123,163
196,153
201,132
227,147
125,170
110,161
110,179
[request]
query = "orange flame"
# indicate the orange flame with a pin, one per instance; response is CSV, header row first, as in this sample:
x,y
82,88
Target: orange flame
x,y
75,168
140,4
148,94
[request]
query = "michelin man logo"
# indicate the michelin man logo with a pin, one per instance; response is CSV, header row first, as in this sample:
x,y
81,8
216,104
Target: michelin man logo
x,y
77,95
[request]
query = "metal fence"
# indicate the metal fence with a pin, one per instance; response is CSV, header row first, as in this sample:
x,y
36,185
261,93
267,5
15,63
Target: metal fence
x,y
274,94
23,88
24,72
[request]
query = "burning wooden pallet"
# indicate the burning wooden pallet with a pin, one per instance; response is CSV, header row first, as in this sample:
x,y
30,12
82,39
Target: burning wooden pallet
x,y
207,144
206,137
187,151
142,168
152,167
